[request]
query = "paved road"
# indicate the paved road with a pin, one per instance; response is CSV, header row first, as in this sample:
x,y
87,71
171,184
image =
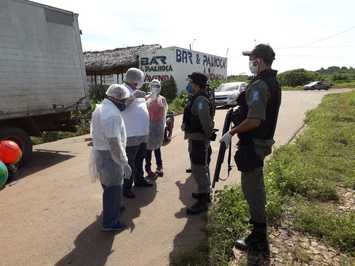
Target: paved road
x,y
49,216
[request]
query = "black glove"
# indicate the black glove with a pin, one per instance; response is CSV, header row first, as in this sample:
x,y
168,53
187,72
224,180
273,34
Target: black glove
x,y
213,136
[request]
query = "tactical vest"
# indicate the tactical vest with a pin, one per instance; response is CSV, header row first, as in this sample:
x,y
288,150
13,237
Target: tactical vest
x,y
191,121
266,130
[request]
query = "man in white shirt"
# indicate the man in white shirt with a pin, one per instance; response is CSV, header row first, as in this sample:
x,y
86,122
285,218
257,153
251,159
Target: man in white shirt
x,y
109,159
136,118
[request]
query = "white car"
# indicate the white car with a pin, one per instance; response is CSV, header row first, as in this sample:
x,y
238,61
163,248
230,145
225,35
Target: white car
x,y
227,93
317,85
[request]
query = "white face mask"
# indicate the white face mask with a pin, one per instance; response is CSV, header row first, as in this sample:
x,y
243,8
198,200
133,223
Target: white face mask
x,y
155,91
253,66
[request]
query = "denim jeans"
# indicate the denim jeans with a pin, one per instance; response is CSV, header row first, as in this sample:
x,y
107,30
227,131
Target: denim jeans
x,y
148,159
136,155
111,200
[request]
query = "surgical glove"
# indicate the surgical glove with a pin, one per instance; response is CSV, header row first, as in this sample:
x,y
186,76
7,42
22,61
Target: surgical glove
x,y
127,171
226,139
139,94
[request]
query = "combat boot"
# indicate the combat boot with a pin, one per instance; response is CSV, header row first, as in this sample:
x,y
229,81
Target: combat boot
x,y
257,241
199,195
200,206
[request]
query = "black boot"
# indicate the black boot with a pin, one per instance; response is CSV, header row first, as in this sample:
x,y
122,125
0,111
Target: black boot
x,y
200,206
199,195
257,241
143,183
127,193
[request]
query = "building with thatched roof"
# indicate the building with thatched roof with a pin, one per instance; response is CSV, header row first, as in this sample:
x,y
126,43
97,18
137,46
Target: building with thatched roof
x,y
170,63
109,66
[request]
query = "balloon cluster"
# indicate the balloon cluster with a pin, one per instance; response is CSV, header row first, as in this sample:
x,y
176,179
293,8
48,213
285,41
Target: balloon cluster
x,y
10,153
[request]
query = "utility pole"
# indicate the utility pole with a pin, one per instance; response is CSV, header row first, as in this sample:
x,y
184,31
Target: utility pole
x,y
192,44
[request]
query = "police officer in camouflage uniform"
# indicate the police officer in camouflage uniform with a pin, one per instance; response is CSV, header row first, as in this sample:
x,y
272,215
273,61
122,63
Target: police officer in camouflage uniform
x,y
260,107
198,126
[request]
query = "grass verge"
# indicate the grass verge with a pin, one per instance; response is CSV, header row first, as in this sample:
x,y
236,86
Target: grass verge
x,y
337,228
308,169
349,84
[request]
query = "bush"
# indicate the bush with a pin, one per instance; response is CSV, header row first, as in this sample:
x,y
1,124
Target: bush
x,y
179,103
169,89
145,88
97,92
297,77
339,77
214,84
236,78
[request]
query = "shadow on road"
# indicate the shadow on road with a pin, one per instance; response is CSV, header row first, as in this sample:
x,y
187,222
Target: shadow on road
x,y
144,196
41,159
193,232
92,247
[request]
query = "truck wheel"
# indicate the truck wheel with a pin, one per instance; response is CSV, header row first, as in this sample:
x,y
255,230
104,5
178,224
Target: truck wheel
x,y
21,138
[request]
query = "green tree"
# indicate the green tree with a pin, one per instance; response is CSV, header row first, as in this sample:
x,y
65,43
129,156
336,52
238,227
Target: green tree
x,y
169,89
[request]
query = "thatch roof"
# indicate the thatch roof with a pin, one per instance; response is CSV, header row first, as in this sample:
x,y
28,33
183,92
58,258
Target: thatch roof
x,y
115,61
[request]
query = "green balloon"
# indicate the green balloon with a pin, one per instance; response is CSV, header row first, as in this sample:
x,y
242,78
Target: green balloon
x,y
4,174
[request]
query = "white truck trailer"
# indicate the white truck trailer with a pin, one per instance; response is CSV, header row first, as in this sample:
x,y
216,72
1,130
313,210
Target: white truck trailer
x,y
42,71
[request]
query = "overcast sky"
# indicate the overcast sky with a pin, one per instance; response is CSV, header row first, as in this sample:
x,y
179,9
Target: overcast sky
x,y
304,34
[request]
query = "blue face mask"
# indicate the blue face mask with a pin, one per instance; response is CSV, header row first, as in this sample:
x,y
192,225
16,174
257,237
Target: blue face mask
x,y
189,88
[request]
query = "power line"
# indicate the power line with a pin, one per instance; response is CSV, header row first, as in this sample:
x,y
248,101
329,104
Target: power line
x,y
324,47
306,45
332,36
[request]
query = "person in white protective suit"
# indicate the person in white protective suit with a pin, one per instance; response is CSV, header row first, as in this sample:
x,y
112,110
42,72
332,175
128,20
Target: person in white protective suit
x,y
109,160
157,108
136,119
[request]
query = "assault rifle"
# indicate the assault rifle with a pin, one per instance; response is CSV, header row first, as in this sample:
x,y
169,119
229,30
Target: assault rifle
x,y
232,116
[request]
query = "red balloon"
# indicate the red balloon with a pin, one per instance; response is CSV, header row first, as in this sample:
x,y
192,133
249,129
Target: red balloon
x,y
10,152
